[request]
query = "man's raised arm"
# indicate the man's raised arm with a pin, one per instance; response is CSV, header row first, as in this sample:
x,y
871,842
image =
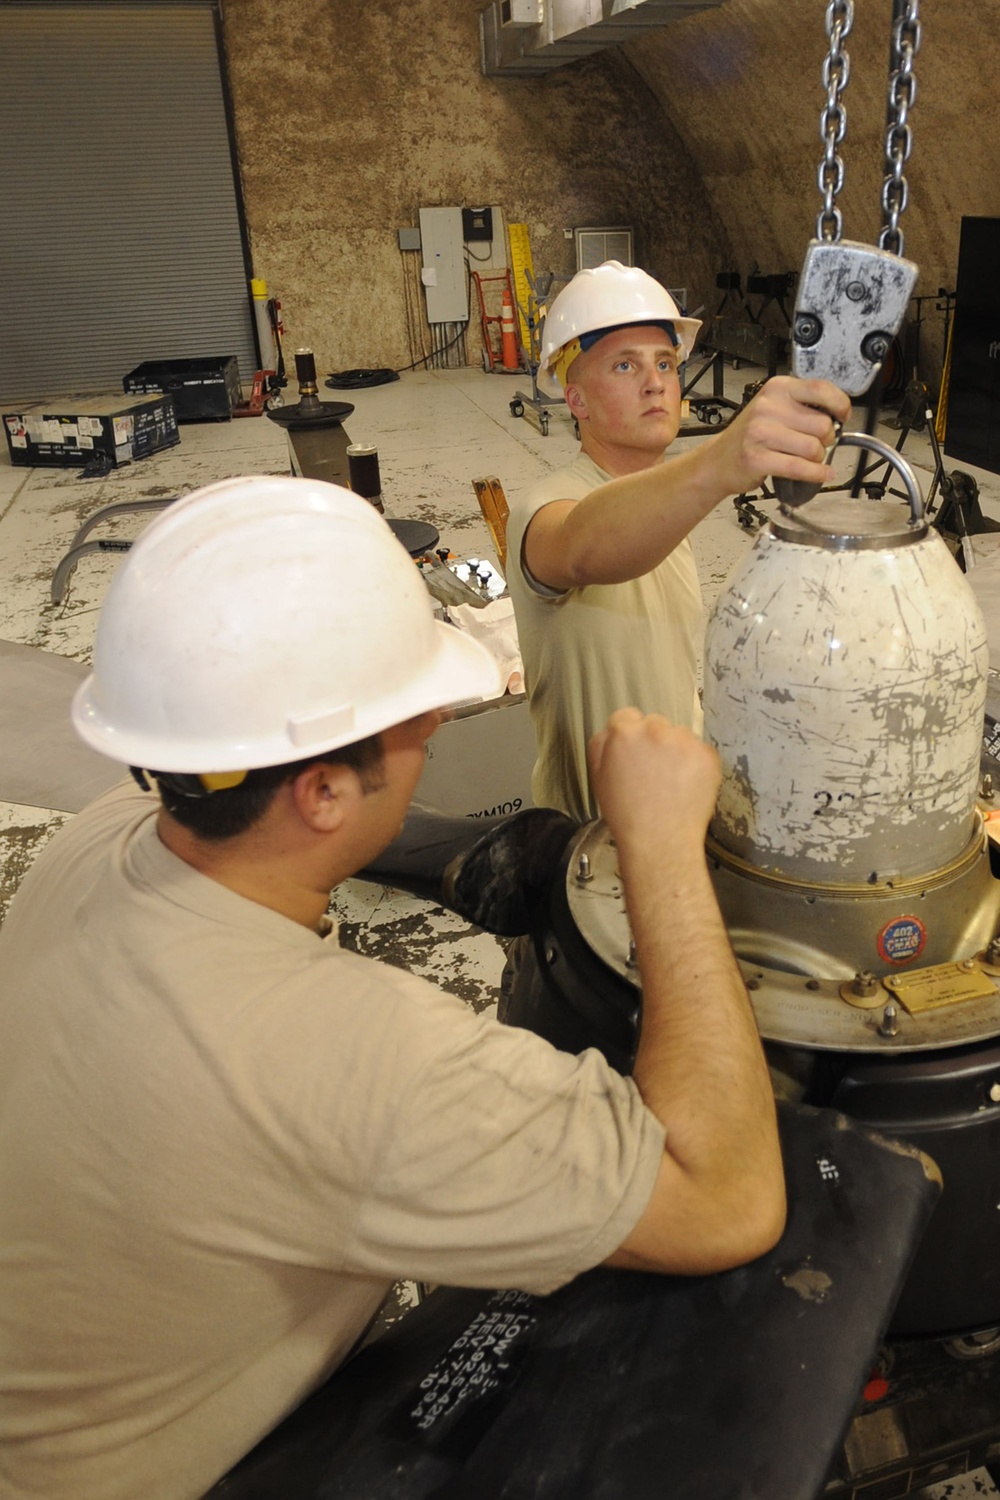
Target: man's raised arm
x,y
626,527
719,1197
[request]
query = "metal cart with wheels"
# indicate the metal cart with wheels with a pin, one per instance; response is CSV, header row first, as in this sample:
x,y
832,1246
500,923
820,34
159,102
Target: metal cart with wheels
x,y
534,316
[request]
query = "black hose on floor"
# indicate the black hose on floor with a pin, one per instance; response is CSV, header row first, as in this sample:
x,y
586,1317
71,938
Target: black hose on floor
x,y
356,380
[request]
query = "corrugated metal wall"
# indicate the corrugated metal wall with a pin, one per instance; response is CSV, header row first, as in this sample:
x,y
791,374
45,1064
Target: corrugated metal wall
x,y
120,235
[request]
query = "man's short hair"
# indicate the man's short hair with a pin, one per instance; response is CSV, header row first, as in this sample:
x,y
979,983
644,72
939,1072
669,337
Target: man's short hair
x,y
224,814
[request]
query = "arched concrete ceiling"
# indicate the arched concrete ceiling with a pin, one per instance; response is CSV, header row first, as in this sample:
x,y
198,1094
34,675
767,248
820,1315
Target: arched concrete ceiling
x,y
741,86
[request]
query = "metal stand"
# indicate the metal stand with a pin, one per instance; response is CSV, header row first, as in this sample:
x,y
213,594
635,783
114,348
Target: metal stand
x,y
79,547
735,333
771,289
309,411
709,410
539,405
732,337
960,515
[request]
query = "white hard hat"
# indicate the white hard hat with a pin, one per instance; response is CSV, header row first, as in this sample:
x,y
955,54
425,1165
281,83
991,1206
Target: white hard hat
x,y
259,621
600,300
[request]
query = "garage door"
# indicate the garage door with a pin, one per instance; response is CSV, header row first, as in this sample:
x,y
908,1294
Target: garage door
x,y
121,237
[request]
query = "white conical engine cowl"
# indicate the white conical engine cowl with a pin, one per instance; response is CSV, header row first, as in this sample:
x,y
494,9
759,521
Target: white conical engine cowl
x,y
844,688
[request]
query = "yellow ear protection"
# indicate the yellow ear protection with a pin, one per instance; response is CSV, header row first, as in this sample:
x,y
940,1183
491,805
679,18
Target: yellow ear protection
x,y
569,352
563,360
190,784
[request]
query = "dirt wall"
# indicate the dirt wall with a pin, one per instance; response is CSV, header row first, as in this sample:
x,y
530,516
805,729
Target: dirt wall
x,y
352,114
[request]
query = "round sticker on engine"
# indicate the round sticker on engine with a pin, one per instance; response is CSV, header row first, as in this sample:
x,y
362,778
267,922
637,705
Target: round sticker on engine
x,y
901,940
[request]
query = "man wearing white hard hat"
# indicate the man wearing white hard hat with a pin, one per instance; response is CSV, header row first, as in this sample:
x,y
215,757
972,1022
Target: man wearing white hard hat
x,y
600,569
221,1136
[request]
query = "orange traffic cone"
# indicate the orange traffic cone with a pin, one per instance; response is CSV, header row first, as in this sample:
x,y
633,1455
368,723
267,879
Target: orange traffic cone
x,y
508,333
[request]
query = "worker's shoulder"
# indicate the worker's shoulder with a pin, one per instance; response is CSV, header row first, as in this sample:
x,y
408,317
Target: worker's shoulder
x,y
70,857
570,482
123,805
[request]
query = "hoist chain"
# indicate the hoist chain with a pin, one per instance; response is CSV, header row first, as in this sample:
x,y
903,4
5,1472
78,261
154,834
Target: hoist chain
x,y
899,139
851,297
833,120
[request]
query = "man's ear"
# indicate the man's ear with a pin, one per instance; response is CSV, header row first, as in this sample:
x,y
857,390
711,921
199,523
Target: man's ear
x,y
576,402
324,794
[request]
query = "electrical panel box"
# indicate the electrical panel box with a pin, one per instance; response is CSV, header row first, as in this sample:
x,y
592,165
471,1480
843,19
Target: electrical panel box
x,y
443,273
487,256
409,239
477,224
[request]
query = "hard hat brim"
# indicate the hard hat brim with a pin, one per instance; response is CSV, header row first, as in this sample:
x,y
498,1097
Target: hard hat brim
x,y
685,329
460,670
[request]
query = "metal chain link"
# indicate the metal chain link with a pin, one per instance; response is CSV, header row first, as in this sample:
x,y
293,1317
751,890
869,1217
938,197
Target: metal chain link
x,y
899,138
833,120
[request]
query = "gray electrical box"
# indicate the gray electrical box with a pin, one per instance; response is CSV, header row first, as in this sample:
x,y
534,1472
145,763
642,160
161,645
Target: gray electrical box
x,y
409,239
443,273
520,12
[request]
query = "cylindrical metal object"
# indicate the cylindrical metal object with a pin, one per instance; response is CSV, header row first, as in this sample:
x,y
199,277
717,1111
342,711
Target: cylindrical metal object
x,y
262,319
309,410
366,480
845,685
305,372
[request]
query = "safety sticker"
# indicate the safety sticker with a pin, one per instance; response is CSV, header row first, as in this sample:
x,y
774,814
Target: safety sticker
x,y
902,940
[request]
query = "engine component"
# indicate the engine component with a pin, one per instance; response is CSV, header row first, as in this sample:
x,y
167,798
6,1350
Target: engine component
x,y
309,411
845,688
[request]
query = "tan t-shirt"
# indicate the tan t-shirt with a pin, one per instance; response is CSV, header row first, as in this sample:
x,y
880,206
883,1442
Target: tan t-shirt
x,y
222,1137
592,650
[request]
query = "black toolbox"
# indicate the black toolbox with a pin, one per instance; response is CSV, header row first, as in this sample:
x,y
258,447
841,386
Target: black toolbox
x,y
204,390
106,430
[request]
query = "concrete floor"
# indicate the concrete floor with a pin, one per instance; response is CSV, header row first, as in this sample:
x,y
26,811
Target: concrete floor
x,y
435,431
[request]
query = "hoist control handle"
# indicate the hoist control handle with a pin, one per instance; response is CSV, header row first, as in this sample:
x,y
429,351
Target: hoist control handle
x,y
795,492
849,306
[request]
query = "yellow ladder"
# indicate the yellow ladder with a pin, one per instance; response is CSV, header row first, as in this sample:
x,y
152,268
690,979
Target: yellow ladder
x,y
522,268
